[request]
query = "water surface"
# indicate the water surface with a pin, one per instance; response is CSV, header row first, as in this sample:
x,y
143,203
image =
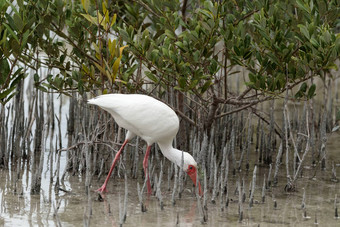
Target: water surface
x,y
19,208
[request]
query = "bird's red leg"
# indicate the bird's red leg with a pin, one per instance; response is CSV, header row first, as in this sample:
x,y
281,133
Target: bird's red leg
x,y
103,187
145,166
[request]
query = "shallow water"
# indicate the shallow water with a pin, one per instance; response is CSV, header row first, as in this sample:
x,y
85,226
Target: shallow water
x,y
19,208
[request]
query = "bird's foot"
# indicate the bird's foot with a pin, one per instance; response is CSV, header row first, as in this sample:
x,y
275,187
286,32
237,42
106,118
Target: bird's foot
x,y
102,189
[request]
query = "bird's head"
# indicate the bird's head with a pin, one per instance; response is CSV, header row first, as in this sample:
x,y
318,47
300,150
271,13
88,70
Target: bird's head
x,y
190,167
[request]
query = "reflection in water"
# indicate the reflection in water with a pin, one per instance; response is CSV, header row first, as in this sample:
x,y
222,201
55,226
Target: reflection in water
x,y
73,207
18,206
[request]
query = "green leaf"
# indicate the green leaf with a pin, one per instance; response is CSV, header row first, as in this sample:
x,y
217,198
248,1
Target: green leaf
x,y
301,92
4,37
247,41
298,95
19,24
124,35
112,47
85,4
304,31
90,18
20,3
180,45
15,47
42,88
182,82
332,65
113,19
115,68
205,86
24,39
106,12
311,91
327,37
17,77
206,13
11,32
237,51
303,87
4,71
303,6
314,42
96,48
68,65
169,34
154,55
100,68
252,77
36,78
247,55
6,93
151,76
102,22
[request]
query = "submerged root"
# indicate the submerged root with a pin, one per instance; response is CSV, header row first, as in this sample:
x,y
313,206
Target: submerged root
x,y
290,187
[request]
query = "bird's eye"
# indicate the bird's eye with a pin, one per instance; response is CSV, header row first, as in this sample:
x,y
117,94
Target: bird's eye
x,y
190,167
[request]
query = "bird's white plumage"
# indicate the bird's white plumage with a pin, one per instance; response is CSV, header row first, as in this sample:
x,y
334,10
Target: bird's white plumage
x,y
142,115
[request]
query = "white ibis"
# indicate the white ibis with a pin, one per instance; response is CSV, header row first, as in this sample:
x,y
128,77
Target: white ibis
x,y
153,121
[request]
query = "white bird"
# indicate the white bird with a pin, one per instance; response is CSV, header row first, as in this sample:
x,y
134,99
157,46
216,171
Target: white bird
x,y
153,121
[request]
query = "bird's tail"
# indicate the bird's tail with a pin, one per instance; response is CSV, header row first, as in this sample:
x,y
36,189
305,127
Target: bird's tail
x,y
104,101
92,101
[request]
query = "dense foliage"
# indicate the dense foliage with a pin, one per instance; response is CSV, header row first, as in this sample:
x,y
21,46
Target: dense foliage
x,y
193,47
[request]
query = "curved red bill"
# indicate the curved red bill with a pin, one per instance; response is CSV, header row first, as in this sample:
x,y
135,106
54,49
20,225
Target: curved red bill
x,y
192,172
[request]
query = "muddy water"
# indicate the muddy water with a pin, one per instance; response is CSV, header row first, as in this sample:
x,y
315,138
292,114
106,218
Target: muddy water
x,y
19,208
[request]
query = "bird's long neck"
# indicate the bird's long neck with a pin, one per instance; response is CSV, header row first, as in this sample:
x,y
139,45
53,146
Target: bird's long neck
x,y
171,153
